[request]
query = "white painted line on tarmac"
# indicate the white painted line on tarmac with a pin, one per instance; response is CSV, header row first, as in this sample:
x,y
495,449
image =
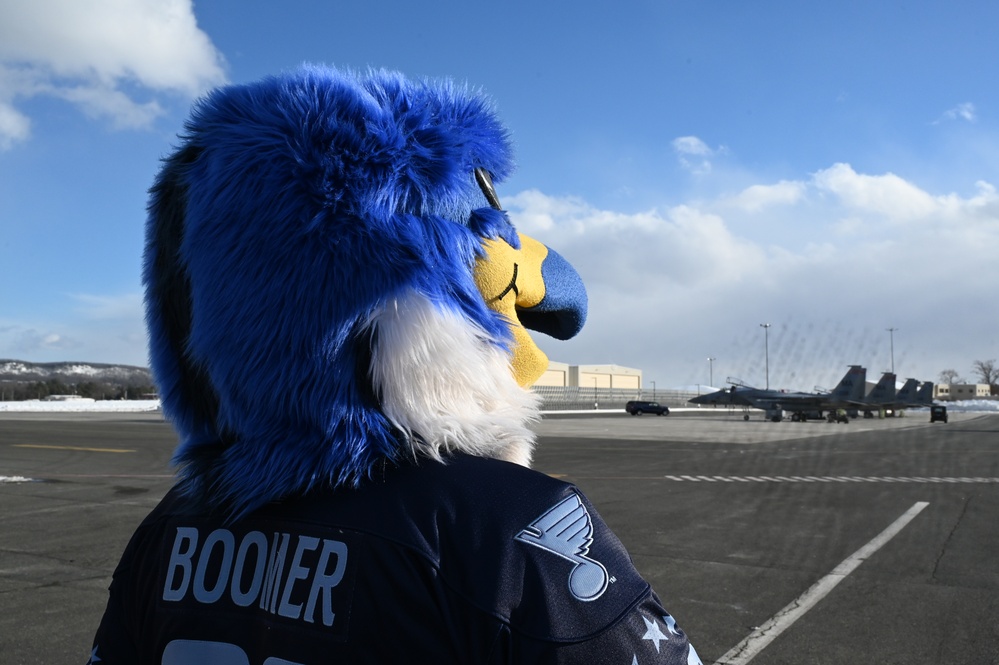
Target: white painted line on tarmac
x,y
749,648
815,479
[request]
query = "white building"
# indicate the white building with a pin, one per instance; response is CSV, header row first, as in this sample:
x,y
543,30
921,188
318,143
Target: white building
x,y
959,391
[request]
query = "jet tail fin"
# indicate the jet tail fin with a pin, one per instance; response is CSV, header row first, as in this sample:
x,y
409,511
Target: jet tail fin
x,y
925,395
851,387
907,393
884,391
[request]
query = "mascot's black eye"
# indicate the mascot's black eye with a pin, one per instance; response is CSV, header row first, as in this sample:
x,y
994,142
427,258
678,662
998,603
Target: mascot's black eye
x,y
486,183
512,286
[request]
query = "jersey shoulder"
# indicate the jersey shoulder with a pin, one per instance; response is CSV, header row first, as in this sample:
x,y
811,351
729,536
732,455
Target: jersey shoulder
x,y
533,549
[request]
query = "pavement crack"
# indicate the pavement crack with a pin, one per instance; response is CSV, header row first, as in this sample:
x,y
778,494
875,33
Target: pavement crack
x,y
950,537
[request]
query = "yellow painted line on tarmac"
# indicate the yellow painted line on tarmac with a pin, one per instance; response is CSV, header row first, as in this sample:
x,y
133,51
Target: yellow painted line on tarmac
x,y
89,450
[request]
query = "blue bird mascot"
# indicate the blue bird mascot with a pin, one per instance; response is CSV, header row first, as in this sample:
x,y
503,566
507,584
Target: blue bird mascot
x,y
336,305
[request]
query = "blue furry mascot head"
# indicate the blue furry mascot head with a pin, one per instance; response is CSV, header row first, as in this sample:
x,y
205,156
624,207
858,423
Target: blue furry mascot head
x,y
331,283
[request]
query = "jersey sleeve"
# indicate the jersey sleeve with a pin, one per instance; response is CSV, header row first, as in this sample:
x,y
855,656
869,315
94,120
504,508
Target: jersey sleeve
x,y
646,635
113,642
584,601
116,639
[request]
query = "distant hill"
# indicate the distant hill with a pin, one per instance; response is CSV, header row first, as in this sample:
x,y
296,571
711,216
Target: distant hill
x,y
26,380
74,372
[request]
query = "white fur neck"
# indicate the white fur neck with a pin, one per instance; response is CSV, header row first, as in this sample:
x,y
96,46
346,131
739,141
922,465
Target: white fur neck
x,y
446,385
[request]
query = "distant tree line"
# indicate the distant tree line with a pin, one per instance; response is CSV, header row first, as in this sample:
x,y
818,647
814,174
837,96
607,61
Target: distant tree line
x,y
16,391
983,371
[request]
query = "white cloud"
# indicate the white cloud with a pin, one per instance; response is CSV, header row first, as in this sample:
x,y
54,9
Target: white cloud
x,y
681,245
757,197
94,54
97,328
694,154
670,287
691,145
897,201
18,342
14,126
101,102
887,194
965,111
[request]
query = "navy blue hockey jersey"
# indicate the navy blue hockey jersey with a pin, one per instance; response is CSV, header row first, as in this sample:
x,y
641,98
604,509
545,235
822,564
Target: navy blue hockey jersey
x,y
473,561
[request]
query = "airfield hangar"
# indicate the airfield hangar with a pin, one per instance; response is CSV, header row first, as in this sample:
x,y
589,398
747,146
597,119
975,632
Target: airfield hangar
x,y
591,376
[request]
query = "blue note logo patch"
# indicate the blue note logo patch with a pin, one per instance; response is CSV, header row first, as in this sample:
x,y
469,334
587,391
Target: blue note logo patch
x,y
567,531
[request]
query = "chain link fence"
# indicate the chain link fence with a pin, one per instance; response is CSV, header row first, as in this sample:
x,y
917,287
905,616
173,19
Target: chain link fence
x,y
567,398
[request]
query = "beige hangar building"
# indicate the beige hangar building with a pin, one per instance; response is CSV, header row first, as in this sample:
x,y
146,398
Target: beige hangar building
x,y
604,377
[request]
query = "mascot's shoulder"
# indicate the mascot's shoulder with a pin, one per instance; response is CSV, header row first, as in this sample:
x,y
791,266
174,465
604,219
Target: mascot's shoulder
x,y
472,521
565,575
462,491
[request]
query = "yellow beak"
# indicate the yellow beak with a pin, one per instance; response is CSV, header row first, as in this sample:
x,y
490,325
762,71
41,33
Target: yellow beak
x,y
531,286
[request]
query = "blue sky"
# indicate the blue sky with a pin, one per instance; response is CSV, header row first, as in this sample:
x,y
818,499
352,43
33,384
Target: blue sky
x,y
828,168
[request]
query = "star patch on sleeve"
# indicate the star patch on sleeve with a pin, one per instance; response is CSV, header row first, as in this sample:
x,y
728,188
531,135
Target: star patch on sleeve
x,y
655,634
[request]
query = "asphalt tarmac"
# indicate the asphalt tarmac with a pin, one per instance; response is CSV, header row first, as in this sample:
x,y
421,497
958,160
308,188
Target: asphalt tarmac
x,y
872,542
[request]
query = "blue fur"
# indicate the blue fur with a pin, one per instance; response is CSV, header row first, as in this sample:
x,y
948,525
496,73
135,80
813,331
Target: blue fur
x,y
562,312
293,209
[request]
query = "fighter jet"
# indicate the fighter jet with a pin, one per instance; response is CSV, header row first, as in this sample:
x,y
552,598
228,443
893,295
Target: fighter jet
x,y
925,395
884,398
881,395
848,393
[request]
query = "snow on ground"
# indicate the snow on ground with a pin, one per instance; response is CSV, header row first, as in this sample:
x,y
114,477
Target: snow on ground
x,y
972,405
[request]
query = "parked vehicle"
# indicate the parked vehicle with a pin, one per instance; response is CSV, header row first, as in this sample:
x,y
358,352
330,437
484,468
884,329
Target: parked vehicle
x,y
637,408
938,413
838,416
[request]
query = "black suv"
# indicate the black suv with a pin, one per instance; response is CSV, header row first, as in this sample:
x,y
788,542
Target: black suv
x,y
938,413
637,408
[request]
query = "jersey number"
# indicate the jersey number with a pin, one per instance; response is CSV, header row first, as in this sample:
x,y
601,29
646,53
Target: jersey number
x,y
196,652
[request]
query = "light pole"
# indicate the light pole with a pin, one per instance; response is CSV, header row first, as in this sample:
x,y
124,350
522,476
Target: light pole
x,y
711,371
891,333
653,391
766,341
